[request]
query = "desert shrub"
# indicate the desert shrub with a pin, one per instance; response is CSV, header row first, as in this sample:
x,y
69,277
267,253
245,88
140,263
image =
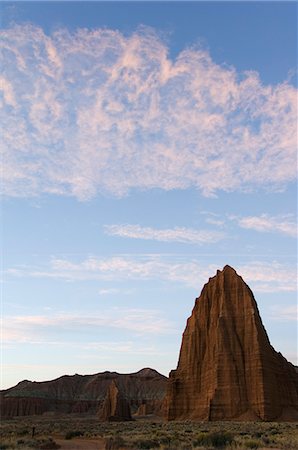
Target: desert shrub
x,y
257,434
266,440
40,444
31,443
147,444
23,432
273,431
183,447
72,434
202,439
221,439
165,440
4,446
215,439
252,443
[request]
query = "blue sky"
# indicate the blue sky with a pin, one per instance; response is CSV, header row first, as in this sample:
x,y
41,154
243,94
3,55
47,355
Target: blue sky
x,y
145,145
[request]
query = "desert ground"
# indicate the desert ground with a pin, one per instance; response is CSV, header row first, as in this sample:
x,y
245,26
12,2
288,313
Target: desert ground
x,y
87,433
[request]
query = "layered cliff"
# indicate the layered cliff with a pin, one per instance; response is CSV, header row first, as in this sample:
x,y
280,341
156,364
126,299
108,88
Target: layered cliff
x,y
227,368
82,393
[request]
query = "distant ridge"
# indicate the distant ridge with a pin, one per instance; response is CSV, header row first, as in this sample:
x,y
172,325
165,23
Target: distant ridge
x,y
83,393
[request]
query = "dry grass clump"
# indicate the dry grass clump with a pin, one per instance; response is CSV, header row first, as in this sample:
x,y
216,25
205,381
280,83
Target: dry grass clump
x,y
252,443
73,434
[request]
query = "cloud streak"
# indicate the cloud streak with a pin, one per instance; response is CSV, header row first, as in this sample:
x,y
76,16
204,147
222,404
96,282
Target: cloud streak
x,y
282,223
288,313
33,329
94,111
262,277
266,223
177,234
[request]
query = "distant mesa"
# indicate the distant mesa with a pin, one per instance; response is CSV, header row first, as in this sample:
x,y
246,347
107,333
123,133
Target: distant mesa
x,y
84,394
227,368
115,407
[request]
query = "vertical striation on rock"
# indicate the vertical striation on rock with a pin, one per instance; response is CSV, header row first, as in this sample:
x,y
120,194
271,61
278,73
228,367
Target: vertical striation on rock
x,y
115,407
227,368
145,409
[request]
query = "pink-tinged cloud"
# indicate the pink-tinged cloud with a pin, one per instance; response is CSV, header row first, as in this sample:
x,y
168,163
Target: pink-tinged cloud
x,y
274,224
95,111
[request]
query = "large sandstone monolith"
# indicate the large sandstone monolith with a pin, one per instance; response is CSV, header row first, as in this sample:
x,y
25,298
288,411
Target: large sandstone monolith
x,y
227,368
115,407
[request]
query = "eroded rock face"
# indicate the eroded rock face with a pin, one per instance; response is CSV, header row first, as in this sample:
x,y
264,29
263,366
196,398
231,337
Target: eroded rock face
x,y
146,409
227,368
82,393
115,407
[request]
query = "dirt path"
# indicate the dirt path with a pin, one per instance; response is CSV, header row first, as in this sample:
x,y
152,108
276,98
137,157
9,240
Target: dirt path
x,y
81,444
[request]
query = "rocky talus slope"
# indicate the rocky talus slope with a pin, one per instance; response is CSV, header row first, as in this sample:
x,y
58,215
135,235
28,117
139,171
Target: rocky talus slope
x,y
83,393
227,368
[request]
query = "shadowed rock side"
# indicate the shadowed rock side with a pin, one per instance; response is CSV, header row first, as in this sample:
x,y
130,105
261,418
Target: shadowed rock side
x,y
227,368
115,407
144,410
82,393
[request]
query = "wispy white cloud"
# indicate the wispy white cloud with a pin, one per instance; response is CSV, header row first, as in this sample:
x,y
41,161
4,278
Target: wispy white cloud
x,y
270,277
281,223
113,291
213,221
288,313
177,234
108,291
265,223
262,277
34,328
146,267
107,349
95,111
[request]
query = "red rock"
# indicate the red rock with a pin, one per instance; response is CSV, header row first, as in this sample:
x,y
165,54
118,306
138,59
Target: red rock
x,y
227,368
115,407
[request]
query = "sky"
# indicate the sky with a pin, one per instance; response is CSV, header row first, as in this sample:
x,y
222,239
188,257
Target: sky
x,y
144,146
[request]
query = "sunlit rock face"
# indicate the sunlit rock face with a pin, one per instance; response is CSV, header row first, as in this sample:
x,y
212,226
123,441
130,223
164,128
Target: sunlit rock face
x,y
227,368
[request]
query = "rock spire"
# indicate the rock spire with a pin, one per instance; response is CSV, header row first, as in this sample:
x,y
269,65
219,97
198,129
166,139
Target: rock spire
x,y
227,368
115,407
